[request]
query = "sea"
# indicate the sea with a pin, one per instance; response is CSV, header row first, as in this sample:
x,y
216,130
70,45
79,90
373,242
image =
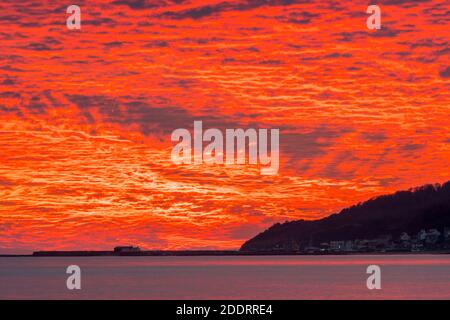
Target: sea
x,y
407,276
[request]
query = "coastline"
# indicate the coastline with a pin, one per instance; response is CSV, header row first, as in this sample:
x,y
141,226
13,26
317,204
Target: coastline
x,y
212,253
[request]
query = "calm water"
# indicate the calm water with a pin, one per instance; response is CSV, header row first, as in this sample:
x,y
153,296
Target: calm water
x,y
274,277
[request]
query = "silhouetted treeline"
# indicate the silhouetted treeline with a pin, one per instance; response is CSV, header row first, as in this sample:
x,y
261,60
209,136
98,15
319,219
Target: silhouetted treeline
x,y
409,211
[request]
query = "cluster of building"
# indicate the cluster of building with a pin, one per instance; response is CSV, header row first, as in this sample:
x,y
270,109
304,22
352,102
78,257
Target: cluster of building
x,y
425,240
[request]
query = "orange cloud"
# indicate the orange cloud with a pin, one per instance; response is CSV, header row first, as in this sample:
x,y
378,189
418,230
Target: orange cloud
x,y
87,115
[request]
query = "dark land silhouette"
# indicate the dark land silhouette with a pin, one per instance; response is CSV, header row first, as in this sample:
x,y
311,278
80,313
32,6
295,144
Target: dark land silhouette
x,y
416,220
391,217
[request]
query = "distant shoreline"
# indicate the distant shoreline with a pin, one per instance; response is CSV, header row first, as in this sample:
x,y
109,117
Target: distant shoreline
x,y
204,253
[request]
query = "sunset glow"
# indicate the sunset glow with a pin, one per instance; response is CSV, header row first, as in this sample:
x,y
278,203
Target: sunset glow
x,y
87,115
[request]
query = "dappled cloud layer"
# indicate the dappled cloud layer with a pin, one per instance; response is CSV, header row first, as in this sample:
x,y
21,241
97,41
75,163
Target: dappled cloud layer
x,y
86,115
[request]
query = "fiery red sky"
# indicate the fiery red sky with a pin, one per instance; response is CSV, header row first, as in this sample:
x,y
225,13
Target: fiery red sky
x,y
86,115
